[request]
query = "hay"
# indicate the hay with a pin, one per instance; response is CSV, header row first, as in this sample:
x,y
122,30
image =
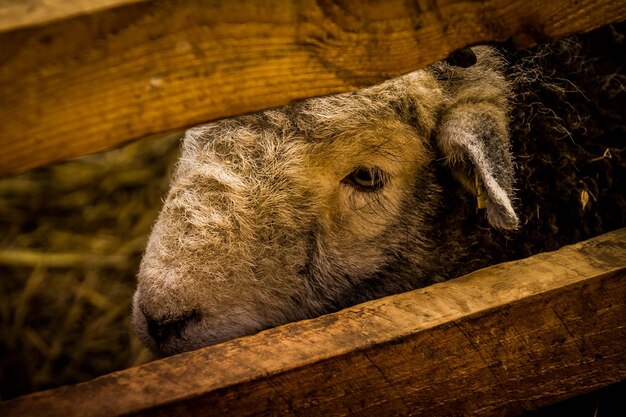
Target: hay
x,y
72,237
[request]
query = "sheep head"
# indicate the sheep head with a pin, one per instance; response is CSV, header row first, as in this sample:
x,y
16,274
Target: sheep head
x,y
292,213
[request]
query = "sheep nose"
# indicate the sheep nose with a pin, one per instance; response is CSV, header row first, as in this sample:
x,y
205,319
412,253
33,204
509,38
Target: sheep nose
x,y
164,329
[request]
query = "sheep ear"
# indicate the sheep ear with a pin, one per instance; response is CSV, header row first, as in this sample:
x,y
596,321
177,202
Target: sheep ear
x,y
474,139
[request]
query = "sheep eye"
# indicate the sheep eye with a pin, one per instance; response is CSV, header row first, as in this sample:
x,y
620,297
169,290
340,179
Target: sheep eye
x,y
366,179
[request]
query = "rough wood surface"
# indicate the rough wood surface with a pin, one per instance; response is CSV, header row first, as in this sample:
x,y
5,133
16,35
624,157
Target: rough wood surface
x,y
499,341
102,76
16,14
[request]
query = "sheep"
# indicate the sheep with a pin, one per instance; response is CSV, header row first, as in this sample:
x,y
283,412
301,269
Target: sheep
x,y
295,212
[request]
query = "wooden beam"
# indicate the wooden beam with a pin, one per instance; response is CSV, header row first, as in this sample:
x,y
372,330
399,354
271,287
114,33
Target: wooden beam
x,y
499,341
17,14
83,78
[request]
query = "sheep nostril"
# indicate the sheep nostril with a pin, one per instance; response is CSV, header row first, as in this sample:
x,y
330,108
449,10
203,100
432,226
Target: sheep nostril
x,y
166,328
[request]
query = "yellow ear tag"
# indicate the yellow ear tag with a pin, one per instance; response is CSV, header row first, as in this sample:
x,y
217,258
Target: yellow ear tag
x,y
480,197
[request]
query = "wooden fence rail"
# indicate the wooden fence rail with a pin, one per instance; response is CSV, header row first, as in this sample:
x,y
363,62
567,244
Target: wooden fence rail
x,y
78,76
499,341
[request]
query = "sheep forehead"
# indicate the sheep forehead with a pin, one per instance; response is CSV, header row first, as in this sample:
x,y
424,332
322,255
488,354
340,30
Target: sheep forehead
x,y
266,161
277,173
324,118
388,143
282,140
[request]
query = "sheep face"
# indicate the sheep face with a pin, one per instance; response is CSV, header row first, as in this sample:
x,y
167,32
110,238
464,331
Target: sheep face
x,y
291,213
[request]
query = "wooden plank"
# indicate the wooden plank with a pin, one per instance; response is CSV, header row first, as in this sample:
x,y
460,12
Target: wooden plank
x,y
89,82
499,341
17,14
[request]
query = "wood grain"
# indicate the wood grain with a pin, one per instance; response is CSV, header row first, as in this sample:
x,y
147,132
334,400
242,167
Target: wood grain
x,y
17,14
82,81
502,340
